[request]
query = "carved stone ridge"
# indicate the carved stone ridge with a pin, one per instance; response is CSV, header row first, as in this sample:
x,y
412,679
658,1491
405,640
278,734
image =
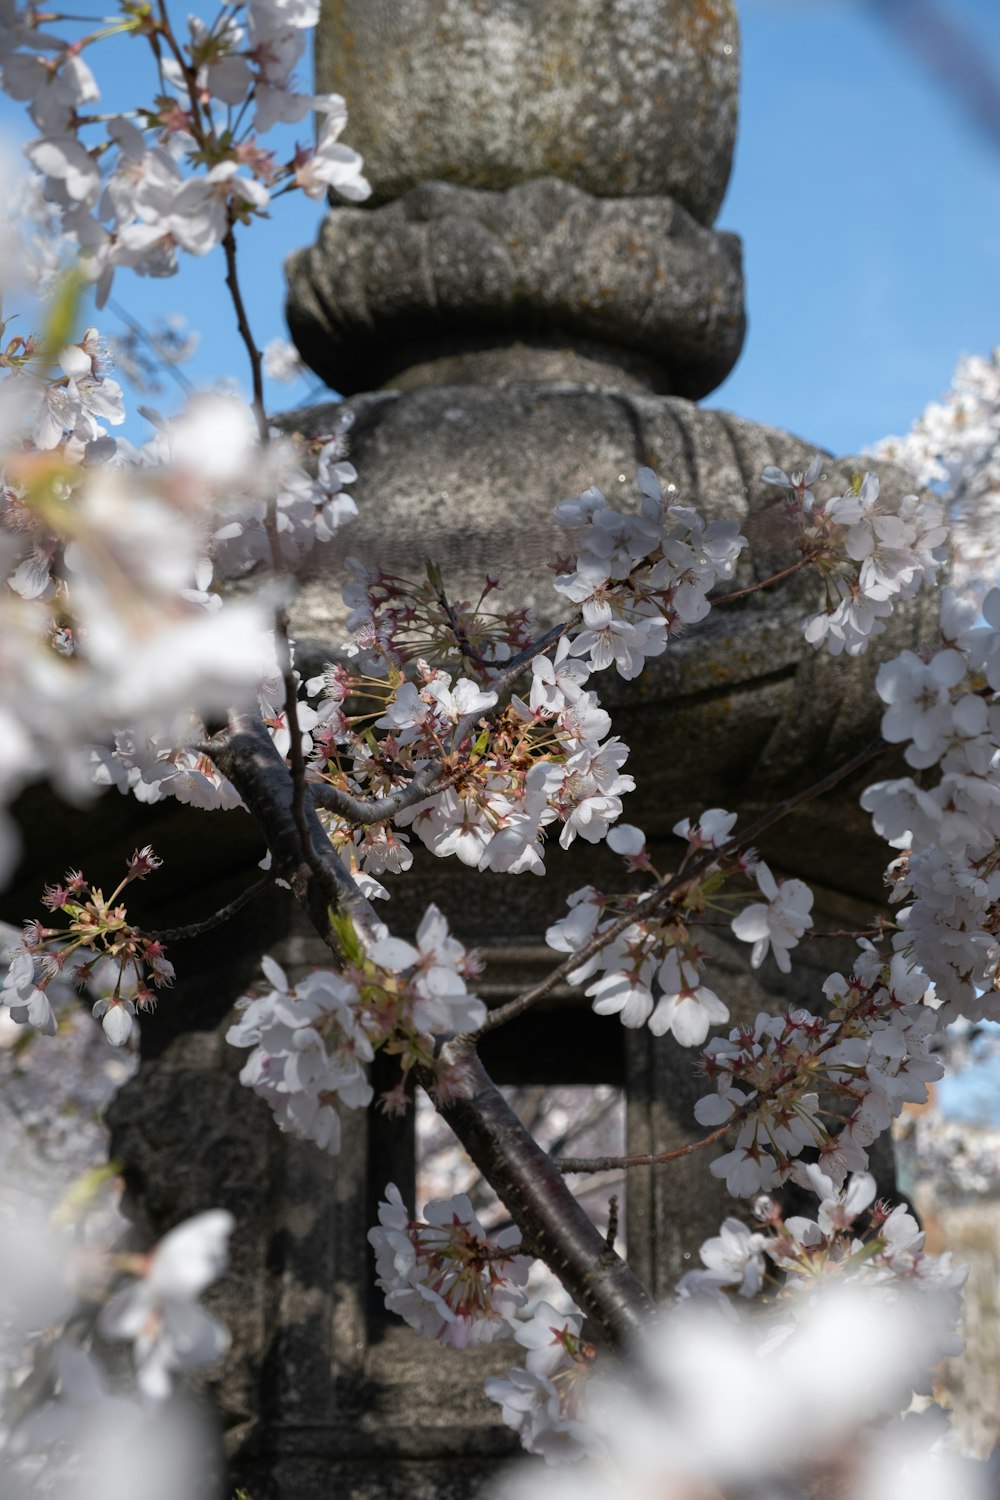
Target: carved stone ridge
x,y
448,270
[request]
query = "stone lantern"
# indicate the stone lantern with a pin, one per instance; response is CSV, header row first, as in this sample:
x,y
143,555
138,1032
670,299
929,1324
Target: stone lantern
x,y
531,303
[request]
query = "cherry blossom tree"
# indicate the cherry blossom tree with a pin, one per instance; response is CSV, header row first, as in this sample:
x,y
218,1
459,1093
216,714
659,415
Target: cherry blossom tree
x,y
130,659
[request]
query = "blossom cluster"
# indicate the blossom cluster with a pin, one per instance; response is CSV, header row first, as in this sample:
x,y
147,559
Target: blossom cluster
x,y
650,969
99,948
309,1050
107,622
869,556
115,633
654,951
723,1395
311,1041
541,763
134,188
775,1081
954,445
639,579
890,1253
943,706
539,760
545,1400
443,1275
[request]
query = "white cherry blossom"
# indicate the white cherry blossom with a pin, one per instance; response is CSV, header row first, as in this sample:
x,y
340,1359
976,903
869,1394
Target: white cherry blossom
x,y
780,923
198,214
443,1275
159,1314
734,1258
686,1008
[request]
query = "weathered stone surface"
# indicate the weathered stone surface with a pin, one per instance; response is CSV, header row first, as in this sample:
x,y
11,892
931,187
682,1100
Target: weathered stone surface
x,y
447,270
621,97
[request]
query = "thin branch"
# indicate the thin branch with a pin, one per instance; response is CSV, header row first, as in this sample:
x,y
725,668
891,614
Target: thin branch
x,y
871,751
612,1234
188,73
364,811
282,636
753,588
243,324
588,1164
195,929
667,891
135,327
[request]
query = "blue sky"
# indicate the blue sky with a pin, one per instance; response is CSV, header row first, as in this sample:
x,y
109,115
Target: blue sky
x,y
869,207
868,202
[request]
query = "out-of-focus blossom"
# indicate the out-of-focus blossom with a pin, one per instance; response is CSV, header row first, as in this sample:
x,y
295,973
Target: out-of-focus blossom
x,y
160,1315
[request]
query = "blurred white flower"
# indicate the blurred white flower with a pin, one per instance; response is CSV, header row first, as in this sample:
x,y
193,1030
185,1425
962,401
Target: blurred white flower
x,y
159,1314
282,362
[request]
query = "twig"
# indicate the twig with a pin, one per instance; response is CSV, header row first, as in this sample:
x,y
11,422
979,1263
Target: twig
x,y
513,668
612,1234
752,588
462,641
195,929
243,324
653,1159
135,327
662,897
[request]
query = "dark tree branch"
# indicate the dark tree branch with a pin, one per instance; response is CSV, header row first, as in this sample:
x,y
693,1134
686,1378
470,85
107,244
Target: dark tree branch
x,y
247,757
612,1233
195,929
363,811
553,1225
245,331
